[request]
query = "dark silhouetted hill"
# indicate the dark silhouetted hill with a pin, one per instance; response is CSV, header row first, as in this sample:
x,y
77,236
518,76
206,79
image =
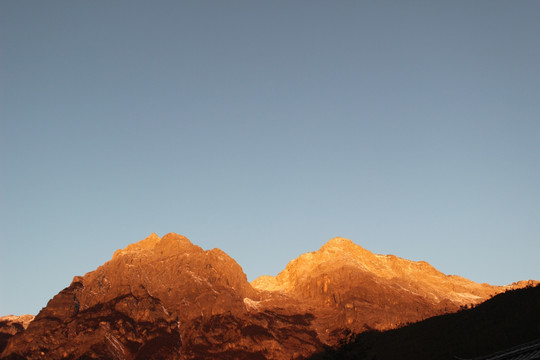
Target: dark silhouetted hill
x,y
506,320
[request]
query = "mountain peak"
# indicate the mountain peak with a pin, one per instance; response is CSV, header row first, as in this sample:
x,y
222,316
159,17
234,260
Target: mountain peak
x,y
345,248
171,241
174,237
336,253
147,243
313,275
339,243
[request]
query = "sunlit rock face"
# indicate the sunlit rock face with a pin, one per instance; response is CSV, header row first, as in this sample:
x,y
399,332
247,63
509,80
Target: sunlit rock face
x,y
349,287
166,298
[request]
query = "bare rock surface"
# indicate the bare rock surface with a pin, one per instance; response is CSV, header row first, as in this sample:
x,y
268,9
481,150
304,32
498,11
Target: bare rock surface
x,y
352,289
166,298
11,325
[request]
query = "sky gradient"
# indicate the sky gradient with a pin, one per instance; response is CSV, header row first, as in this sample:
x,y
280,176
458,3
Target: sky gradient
x,y
265,129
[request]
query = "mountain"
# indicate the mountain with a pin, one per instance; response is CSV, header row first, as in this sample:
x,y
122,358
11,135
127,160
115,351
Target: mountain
x,y
166,298
508,320
359,290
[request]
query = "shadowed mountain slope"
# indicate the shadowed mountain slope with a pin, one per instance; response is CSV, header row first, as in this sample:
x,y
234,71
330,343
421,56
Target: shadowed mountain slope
x,y
505,321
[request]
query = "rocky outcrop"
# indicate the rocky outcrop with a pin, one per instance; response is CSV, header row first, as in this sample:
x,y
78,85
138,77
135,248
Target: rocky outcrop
x,y
11,325
128,327
166,298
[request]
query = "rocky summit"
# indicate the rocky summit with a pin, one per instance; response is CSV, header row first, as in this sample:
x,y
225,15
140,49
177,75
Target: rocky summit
x,y
166,298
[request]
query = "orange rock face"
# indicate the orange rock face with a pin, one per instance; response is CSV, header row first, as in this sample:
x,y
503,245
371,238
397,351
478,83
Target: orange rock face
x,y
165,298
349,288
11,325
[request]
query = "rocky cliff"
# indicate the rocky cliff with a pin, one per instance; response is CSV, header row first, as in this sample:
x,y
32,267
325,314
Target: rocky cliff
x,y
166,298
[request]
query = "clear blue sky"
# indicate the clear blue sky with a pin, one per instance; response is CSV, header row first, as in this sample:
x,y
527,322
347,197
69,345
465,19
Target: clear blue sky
x,y
265,129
